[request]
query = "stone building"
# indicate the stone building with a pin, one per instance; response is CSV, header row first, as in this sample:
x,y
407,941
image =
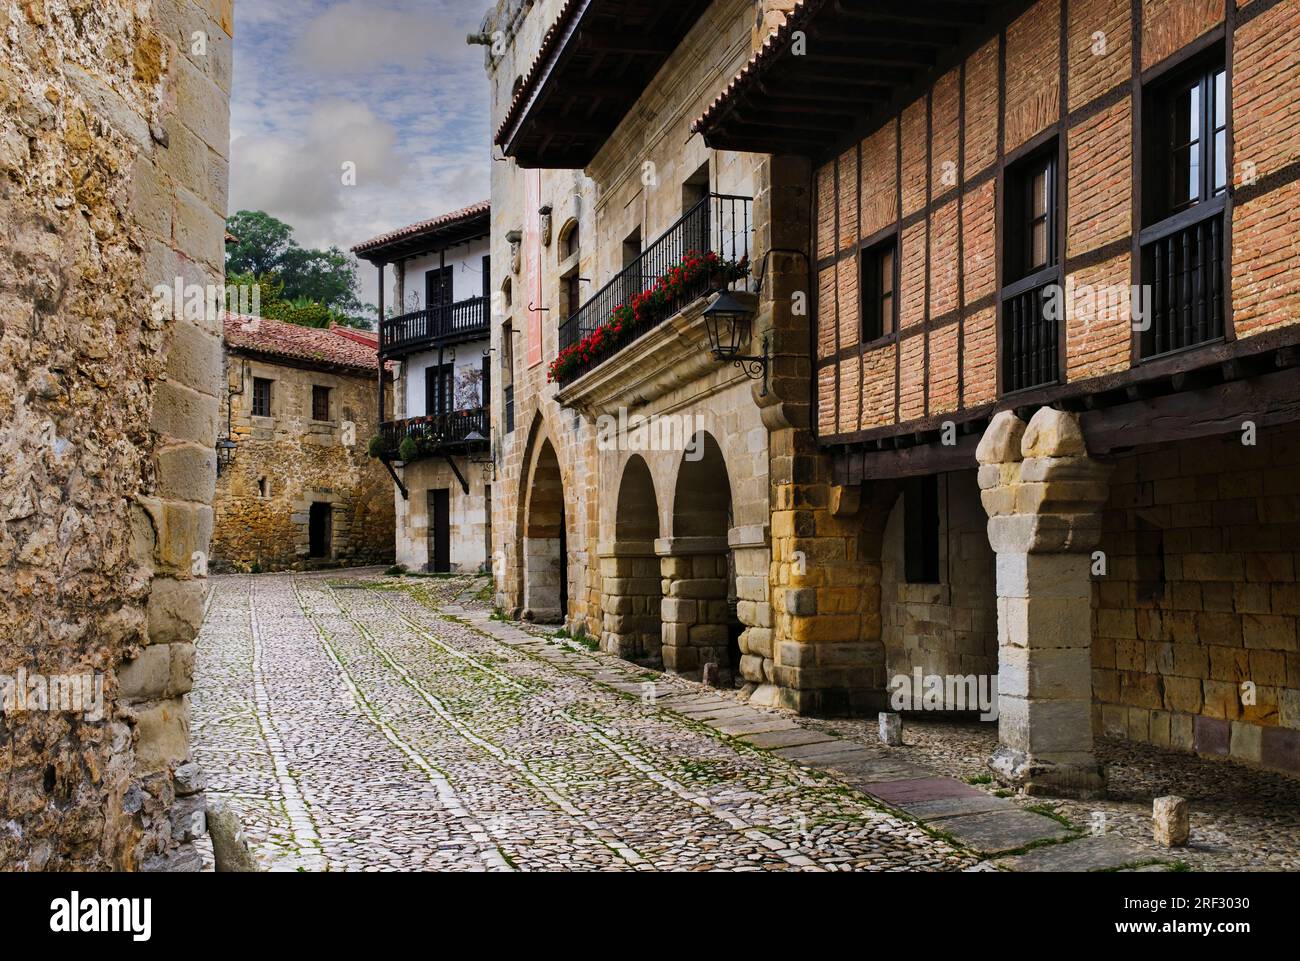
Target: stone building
x,y
1029,369
113,160
632,501
435,336
1055,252
298,488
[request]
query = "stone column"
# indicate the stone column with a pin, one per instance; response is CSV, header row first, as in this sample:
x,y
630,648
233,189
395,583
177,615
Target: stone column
x,y
630,601
752,555
694,608
1043,495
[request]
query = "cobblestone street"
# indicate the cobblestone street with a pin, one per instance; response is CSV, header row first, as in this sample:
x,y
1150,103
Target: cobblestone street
x,y
364,723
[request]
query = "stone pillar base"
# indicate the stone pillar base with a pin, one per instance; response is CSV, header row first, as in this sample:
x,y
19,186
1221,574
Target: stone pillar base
x,y
833,701
1083,780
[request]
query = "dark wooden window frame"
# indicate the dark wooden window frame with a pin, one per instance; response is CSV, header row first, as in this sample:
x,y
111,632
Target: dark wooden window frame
x,y
1046,146
874,328
319,412
1154,217
434,375
263,396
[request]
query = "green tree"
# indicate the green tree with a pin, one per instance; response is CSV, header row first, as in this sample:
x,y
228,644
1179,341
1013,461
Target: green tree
x,y
298,284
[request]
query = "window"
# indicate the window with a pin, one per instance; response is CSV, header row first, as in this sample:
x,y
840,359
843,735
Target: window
x,y
696,187
570,294
1031,271
1031,215
264,487
485,384
879,281
437,389
1184,193
570,240
921,530
487,277
1187,136
320,402
261,397
437,287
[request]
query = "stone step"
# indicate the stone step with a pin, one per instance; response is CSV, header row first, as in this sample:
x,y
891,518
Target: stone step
x,y
1104,852
996,832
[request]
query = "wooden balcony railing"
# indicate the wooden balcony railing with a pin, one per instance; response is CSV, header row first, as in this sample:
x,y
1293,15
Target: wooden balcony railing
x,y
434,434
444,323
1182,264
719,224
1030,332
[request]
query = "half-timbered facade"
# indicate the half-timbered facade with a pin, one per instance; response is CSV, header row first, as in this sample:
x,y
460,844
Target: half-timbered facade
x,y
1056,310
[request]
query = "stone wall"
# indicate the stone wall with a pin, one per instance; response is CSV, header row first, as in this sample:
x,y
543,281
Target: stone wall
x,y
470,513
949,627
288,461
1195,622
113,160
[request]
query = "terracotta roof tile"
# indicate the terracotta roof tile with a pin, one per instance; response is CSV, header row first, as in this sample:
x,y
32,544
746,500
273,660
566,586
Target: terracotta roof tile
x,y
480,209
329,347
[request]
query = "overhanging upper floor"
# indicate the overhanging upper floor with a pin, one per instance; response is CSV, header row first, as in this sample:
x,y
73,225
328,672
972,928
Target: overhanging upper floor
x,y
593,65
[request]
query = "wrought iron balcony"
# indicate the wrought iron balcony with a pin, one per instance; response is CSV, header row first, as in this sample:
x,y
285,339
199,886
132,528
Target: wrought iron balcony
x,y
455,432
718,227
432,326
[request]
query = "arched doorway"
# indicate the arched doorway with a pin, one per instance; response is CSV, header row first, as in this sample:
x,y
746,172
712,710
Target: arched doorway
x,y
700,623
630,571
545,551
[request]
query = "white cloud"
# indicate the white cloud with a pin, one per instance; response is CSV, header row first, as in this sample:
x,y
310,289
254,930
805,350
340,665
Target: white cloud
x,y
356,36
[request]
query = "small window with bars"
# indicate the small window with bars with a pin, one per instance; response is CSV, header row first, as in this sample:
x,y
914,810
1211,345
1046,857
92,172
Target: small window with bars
x,y
320,402
878,289
1184,189
1032,272
261,397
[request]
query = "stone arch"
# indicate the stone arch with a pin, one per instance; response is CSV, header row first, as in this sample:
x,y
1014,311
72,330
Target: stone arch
x,y
570,237
699,610
541,550
630,585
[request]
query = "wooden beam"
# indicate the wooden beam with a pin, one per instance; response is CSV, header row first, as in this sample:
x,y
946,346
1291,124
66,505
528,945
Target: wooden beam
x,y
913,461
1265,401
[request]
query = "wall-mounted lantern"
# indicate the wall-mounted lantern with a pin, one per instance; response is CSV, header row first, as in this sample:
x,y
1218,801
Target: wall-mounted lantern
x,y
225,453
728,323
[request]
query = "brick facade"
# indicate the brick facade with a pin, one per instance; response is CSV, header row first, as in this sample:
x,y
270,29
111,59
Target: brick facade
x,y
953,144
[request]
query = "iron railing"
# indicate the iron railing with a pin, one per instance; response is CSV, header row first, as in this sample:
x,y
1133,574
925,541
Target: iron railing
x,y
437,432
719,223
1182,267
422,328
1031,332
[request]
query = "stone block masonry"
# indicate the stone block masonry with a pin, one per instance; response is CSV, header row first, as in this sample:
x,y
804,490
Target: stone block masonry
x,y
285,463
108,412
1195,620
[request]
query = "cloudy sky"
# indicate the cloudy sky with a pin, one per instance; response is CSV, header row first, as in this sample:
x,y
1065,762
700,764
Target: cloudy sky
x,y
387,85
